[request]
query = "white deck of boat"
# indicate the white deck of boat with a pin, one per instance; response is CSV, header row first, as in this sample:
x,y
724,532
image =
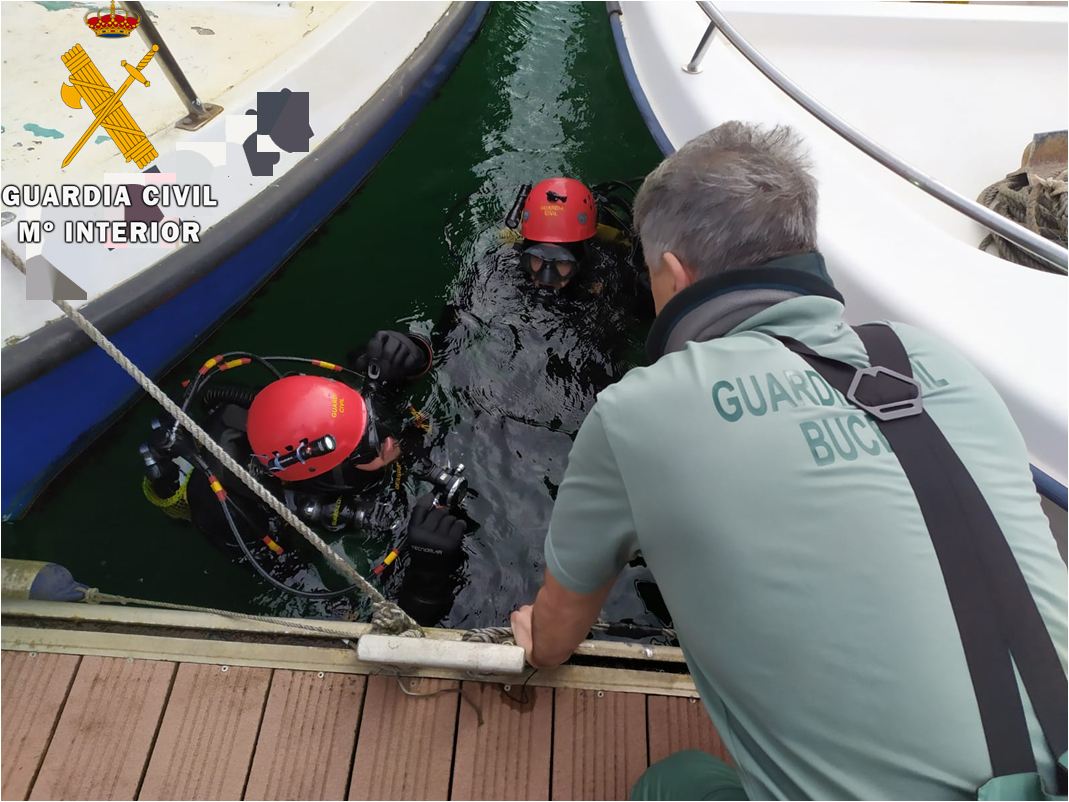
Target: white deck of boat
x,y
218,45
340,53
958,90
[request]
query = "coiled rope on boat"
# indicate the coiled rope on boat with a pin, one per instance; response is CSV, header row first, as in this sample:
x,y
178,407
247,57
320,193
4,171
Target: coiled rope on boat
x,y
386,617
1038,203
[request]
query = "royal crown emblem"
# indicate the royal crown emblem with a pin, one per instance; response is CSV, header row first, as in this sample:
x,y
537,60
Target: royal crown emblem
x,y
113,25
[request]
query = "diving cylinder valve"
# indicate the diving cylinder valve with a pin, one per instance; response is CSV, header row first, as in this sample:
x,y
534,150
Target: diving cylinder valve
x,y
164,467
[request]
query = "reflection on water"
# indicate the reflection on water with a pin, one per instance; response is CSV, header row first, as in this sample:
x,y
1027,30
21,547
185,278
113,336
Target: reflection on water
x,y
519,370
539,93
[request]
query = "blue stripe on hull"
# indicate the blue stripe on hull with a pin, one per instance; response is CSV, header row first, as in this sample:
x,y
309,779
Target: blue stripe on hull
x,y
49,421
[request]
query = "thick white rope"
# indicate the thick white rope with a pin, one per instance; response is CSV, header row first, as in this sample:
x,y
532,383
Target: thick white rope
x,y
386,616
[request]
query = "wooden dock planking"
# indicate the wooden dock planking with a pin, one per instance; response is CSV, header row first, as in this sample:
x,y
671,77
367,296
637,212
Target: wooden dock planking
x,y
405,746
508,757
208,734
305,748
675,724
34,688
599,744
106,730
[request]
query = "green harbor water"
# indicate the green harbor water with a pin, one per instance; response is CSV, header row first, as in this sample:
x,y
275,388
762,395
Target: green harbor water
x,y
540,92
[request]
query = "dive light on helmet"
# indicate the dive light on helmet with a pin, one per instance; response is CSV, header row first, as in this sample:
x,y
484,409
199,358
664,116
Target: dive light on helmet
x,y
513,219
300,455
297,410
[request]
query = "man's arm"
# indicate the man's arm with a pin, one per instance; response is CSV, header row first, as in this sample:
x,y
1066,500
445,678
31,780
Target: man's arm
x,y
560,619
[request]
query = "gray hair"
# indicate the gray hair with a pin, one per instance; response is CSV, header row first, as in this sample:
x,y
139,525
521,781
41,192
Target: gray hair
x,y
736,196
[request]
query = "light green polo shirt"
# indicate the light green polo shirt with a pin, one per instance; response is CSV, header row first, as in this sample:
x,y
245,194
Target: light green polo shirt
x,y
792,554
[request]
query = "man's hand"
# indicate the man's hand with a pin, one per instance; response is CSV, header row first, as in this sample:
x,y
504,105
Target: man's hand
x,y
521,630
558,621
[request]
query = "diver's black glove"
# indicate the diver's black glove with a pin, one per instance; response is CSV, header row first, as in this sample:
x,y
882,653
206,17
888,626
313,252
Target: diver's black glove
x,y
434,545
435,551
391,356
434,539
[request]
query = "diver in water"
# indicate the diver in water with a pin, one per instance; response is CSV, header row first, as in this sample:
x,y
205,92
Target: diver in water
x,y
550,315
321,447
571,237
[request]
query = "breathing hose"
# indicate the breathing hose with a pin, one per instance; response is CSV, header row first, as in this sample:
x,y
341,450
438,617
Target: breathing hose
x,y
229,394
308,594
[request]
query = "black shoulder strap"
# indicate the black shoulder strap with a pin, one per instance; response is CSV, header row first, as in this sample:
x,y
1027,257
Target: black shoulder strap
x,y
994,609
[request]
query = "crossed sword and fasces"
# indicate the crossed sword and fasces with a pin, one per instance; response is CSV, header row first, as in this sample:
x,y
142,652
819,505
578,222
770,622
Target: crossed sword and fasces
x,y
107,105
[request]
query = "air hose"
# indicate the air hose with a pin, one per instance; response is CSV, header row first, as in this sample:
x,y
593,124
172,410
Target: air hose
x,y
225,501
228,394
308,594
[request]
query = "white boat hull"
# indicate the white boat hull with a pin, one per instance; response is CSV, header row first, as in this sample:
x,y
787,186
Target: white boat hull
x,y
958,91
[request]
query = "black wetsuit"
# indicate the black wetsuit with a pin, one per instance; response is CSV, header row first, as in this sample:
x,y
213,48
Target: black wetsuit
x,y
518,369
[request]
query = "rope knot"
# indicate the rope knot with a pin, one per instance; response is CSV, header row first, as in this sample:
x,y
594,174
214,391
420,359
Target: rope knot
x,y
91,596
1037,202
389,619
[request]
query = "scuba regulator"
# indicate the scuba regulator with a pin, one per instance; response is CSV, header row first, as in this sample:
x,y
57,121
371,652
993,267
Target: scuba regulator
x,y
450,487
167,466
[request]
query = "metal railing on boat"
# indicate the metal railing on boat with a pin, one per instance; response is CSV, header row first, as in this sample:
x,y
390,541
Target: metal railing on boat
x,y
1041,248
198,112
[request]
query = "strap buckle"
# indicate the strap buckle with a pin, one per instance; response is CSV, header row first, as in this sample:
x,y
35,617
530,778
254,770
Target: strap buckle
x,y
889,410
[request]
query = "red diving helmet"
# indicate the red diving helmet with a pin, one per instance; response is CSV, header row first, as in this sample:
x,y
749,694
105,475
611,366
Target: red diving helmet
x,y
291,413
559,210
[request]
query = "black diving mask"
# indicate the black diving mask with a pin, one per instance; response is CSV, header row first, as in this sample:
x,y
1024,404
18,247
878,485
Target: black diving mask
x,y
548,264
370,445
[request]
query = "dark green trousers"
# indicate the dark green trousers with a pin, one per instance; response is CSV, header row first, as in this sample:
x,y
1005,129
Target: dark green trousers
x,y
689,775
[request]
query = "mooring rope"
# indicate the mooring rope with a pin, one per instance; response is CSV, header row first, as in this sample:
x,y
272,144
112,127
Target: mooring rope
x,y
505,634
428,694
95,596
1037,203
489,635
386,616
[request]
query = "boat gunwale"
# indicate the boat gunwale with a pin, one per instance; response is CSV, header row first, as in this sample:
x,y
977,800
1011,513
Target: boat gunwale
x,y
59,341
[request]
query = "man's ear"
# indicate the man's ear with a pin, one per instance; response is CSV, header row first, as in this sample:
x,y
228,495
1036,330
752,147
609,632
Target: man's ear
x,y
682,277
